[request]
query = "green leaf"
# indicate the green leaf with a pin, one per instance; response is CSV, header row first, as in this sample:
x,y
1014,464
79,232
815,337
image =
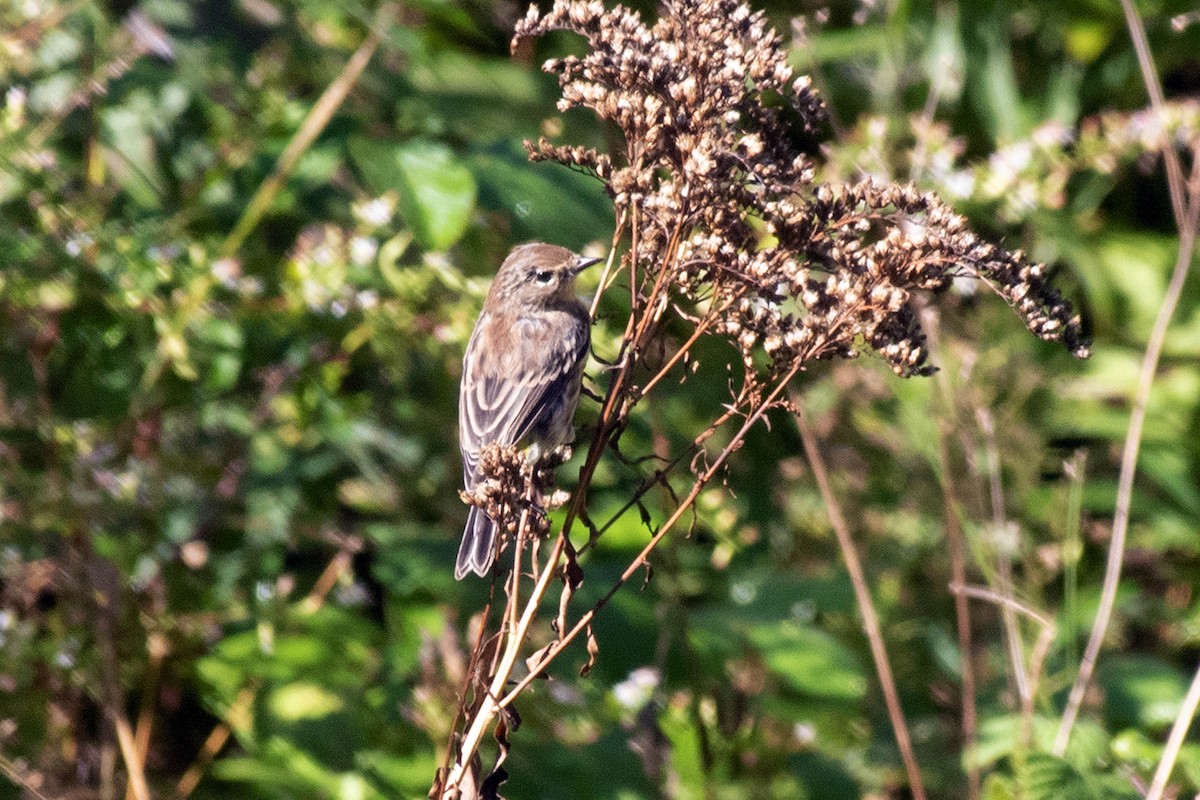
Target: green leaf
x,y
996,93
1000,736
437,192
405,776
131,153
861,41
1048,778
304,700
810,661
1141,691
542,201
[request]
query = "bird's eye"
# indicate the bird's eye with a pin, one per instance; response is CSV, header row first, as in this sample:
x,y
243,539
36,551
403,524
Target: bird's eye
x,y
543,276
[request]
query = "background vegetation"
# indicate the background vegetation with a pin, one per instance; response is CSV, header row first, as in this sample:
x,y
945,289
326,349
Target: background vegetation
x,y
242,245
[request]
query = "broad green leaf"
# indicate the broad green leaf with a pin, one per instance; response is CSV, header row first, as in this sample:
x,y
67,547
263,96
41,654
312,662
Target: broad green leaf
x,y
404,775
810,661
1000,736
1141,690
1048,778
864,41
437,192
1088,38
541,201
997,94
304,700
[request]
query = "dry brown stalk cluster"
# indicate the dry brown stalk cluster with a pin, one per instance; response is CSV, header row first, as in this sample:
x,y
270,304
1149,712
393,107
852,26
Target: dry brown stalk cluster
x,y
723,228
512,485
716,126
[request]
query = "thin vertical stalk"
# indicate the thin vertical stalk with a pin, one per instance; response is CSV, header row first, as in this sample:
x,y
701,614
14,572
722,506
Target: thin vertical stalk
x,y
1129,457
1187,217
322,111
1072,550
1000,530
1175,740
862,594
956,542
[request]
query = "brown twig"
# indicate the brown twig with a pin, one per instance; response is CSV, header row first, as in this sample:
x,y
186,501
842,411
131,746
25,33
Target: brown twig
x,y
640,560
862,594
1179,729
956,543
156,647
957,546
1002,600
1000,535
237,716
1041,647
18,777
492,703
1191,222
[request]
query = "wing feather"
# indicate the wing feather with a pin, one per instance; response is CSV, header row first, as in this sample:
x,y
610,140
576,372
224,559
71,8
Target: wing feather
x,y
504,393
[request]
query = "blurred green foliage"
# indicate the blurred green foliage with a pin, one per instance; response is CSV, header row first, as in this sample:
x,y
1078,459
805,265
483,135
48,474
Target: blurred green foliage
x,y
228,482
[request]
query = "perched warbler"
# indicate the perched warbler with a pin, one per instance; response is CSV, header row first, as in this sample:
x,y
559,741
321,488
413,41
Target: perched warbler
x,y
521,374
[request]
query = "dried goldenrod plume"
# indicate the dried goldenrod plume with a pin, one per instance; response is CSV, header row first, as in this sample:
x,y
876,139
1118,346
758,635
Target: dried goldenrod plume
x,y
722,227
715,126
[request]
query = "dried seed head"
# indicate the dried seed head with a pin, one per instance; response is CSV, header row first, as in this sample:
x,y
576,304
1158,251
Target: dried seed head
x,y
712,168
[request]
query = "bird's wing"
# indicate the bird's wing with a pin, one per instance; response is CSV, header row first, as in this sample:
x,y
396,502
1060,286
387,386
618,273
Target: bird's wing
x,y
504,393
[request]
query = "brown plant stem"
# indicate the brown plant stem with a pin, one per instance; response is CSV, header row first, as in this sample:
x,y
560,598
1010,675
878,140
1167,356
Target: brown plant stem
x,y
21,778
133,760
492,702
862,594
156,647
1041,647
237,715
1129,458
956,543
1154,90
640,560
1185,204
518,630
1175,740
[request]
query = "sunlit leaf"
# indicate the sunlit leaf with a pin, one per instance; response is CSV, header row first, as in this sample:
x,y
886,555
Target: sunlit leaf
x,y
810,661
437,192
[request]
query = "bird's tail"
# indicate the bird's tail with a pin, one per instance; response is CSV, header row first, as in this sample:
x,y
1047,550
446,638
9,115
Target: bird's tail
x,y
478,548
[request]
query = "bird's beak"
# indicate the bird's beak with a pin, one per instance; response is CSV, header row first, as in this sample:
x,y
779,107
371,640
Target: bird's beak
x,y
583,262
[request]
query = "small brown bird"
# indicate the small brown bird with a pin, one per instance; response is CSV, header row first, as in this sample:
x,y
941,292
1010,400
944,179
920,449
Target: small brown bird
x,y
521,373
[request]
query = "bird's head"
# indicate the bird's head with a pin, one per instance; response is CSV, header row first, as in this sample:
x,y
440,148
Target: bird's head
x,y
535,274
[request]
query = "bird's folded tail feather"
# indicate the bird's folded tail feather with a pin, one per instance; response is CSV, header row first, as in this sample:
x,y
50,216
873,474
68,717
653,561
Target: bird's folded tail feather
x,y
478,548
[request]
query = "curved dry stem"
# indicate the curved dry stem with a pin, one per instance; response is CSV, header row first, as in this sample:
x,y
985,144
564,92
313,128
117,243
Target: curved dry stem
x,y
1175,740
639,561
636,332
1129,457
1185,204
862,594
516,634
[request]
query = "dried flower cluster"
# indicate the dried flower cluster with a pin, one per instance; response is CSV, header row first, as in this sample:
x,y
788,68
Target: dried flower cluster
x,y
503,492
1114,137
727,226
718,177
1025,175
